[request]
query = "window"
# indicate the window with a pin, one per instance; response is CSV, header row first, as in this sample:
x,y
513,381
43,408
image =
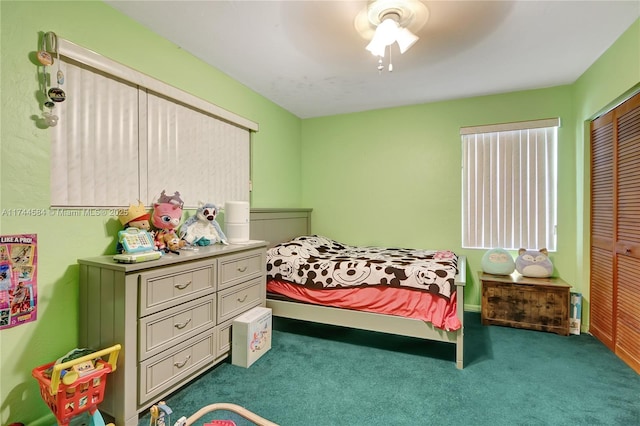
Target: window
x,y
123,136
509,185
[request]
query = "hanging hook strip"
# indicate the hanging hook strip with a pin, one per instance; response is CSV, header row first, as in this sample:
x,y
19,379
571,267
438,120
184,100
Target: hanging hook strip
x,y
50,42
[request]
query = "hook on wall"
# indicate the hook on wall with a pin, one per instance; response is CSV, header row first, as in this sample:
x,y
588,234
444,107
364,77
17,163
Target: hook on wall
x,y
52,95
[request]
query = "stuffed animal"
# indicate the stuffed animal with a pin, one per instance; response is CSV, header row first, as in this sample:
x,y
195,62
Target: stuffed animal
x,y
167,214
136,217
173,243
202,228
536,264
498,261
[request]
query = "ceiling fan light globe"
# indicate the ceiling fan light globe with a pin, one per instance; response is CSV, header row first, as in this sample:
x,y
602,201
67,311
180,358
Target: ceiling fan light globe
x,y
406,39
387,32
376,49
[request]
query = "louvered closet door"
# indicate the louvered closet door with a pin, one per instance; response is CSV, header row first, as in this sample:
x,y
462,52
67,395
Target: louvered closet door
x,y
627,248
615,231
602,288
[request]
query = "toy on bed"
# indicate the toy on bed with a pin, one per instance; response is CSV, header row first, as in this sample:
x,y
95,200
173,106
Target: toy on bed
x,y
136,217
202,228
167,214
498,261
535,264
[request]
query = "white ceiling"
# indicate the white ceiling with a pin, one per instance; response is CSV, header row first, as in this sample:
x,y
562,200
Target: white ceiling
x,y
307,57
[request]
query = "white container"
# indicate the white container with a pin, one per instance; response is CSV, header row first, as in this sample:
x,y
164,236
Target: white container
x,y
236,221
237,233
250,336
236,212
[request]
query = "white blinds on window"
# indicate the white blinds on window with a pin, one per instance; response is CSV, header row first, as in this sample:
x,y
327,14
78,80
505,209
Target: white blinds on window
x,y
94,149
509,189
208,158
123,136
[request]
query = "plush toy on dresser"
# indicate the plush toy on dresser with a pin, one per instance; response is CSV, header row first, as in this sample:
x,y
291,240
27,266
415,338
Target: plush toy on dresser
x,y
136,217
535,264
202,228
167,214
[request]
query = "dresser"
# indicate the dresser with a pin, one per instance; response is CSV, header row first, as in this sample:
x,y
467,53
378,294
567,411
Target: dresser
x,y
523,302
172,317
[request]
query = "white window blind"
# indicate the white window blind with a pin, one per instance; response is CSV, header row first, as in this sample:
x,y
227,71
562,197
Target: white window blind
x,y
123,137
94,148
509,185
210,157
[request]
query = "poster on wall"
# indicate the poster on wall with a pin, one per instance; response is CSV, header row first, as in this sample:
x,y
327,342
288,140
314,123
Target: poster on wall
x,y
18,293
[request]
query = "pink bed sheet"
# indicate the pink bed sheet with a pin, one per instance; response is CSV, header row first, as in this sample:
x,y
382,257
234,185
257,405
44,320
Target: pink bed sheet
x,y
379,299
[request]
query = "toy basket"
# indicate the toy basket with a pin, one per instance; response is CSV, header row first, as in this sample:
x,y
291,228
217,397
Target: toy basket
x,y
77,393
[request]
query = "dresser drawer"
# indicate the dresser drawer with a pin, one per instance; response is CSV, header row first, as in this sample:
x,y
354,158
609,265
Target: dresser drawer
x,y
162,372
163,330
172,286
235,300
235,269
224,338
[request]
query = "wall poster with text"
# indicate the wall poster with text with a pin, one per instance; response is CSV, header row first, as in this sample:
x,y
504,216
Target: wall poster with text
x,y
18,292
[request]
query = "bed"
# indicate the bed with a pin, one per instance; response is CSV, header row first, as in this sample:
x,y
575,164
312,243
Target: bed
x,y
288,230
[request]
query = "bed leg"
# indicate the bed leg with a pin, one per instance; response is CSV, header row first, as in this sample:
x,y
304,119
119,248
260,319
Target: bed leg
x,y
460,349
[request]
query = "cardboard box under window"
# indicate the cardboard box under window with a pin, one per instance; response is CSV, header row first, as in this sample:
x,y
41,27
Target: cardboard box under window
x,y
576,313
251,336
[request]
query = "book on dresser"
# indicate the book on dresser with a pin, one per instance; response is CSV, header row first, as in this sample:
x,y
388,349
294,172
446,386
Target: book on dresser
x,y
173,317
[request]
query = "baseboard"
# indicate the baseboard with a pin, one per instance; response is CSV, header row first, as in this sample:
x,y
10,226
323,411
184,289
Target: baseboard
x,y
472,308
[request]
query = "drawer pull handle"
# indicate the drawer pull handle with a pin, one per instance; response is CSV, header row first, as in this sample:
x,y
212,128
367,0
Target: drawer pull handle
x,y
183,286
243,299
244,268
183,363
182,325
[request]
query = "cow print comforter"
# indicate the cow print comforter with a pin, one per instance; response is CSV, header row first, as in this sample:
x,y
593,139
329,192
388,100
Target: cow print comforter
x,y
321,263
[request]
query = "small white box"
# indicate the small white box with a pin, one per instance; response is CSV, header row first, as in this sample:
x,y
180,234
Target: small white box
x,y
251,336
575,315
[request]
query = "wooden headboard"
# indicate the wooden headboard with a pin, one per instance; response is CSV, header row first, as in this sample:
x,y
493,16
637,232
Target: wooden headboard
x,y
279,225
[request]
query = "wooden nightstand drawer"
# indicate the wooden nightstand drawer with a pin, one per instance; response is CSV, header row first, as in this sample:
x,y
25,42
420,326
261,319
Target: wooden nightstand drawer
x,y
238,268
163,330
160,290
234,301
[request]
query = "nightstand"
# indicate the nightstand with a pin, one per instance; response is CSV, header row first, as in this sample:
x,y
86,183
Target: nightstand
x,y
523,302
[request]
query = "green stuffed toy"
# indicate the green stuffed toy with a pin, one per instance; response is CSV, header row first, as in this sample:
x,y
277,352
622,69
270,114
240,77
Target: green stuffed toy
x,y
498,261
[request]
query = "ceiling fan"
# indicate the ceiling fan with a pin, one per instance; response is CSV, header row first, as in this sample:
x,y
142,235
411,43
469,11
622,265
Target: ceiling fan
x,y
386,22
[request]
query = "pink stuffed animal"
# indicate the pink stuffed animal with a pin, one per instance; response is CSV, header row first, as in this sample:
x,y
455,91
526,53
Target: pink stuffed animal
x,y
167,214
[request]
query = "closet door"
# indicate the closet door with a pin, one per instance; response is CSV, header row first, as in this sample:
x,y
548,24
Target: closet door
x,y
615,231
602,290
627,248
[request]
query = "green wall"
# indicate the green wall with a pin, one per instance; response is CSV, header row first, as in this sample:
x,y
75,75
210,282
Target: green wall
x,y
393,177
381,177
25,168
610,80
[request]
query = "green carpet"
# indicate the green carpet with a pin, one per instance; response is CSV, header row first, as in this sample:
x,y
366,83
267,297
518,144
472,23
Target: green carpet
x,y
325,375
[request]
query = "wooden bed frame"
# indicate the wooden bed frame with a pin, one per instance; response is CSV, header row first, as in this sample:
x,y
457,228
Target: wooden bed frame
x,y
280,225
